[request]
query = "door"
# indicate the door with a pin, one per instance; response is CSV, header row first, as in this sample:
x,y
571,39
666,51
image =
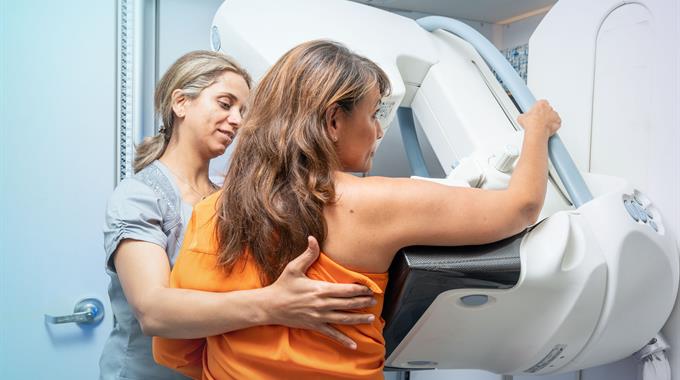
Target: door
x,y
57,168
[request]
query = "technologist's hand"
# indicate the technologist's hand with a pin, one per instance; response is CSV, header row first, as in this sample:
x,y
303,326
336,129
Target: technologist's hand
x,y
300,302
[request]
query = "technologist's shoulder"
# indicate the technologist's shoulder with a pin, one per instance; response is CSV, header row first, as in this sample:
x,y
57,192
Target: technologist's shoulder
x,y
131,190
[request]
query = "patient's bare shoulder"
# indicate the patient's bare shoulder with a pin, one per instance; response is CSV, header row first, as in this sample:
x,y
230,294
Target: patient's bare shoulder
x,y
361,220
386,197
366,197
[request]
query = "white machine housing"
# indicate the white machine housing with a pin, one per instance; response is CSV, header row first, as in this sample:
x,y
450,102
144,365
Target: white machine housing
x,y
617,92
596,282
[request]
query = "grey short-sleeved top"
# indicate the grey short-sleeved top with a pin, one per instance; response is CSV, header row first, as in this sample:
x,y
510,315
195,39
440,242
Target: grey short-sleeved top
x,y
146,207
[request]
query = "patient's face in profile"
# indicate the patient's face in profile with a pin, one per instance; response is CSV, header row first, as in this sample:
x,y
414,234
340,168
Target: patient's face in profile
x,y
358,132
214,117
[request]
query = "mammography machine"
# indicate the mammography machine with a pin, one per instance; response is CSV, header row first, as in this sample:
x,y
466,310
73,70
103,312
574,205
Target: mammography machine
x,y
591,283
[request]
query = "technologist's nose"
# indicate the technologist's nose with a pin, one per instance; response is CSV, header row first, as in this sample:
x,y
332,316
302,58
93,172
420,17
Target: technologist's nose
x,y
235,119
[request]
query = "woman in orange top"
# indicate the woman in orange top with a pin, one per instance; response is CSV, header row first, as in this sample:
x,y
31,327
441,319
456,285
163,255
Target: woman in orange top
x,y
313,118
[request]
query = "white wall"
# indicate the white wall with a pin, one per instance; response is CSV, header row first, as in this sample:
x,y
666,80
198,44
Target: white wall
x,y
183,26
57,150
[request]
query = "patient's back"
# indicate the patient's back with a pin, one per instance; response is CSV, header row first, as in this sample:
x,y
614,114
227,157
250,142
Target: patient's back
x,y
356,223
266,352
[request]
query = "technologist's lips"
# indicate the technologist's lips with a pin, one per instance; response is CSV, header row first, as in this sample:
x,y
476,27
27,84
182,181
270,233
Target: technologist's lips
x,y
227,135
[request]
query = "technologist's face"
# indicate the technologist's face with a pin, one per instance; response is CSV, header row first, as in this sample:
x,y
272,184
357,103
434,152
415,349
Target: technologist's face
x,y
214,117
358,132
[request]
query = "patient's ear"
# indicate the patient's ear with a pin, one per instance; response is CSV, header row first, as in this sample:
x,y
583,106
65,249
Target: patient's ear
x,y
333,122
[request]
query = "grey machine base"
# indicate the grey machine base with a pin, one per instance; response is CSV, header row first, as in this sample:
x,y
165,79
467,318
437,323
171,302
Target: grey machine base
x,y
419,274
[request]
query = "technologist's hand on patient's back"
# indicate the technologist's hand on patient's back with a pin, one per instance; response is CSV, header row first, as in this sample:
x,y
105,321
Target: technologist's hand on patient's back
x,y
300,302
541,117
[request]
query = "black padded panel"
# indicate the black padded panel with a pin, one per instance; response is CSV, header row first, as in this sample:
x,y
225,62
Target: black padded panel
x,y
419,274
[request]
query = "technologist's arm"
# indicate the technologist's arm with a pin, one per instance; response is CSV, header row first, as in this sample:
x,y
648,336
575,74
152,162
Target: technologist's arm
x,y
293,300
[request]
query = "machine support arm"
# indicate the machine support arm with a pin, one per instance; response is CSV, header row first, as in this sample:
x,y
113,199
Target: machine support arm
x,y
559,156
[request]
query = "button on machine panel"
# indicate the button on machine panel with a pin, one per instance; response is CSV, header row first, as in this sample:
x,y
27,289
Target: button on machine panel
x,y
632,210
641,209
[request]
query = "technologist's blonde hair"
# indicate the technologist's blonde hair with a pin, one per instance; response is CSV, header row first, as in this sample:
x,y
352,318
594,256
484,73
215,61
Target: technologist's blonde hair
x,y
191,73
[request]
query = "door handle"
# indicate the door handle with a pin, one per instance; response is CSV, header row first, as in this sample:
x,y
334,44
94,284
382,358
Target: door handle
x,y
88,311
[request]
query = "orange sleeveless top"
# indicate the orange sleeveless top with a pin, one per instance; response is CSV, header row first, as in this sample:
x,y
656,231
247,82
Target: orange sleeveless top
x,y
266,352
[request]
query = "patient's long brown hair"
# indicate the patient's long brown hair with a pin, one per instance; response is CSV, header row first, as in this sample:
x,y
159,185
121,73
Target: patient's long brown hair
x,y
281,174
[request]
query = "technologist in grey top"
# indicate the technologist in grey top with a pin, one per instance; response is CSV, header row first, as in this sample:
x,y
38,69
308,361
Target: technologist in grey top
x,y
200,100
